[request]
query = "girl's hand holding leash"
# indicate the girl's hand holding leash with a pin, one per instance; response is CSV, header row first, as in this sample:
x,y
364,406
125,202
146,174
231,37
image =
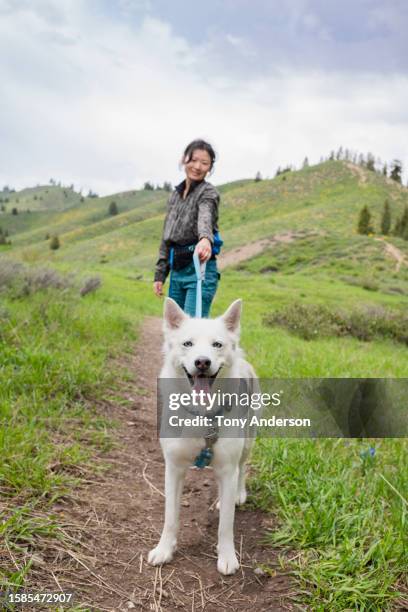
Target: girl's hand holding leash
x,y
204,249
158,288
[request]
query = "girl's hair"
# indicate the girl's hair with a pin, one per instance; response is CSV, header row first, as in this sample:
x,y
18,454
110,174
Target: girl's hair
x,y
202,145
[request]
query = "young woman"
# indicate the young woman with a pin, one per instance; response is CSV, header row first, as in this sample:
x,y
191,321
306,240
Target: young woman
x,y
190,225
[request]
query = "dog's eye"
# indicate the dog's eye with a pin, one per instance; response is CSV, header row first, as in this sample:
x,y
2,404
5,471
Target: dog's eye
x,y
187,343
217,344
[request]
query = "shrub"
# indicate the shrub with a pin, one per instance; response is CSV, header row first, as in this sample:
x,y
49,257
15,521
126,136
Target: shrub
x,y
9,270
54,243
311,321
25,280
369,284
42,278
91,284
306,321
113,209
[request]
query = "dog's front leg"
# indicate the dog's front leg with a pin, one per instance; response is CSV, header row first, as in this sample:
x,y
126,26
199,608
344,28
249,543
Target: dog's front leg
x,y
228,482
174,478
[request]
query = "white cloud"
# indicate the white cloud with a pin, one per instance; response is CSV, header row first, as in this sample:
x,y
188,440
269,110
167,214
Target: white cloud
x,y
109,104
241,45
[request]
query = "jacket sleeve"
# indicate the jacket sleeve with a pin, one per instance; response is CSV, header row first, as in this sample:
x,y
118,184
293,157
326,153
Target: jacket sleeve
x,y
207,216
162,268
162,264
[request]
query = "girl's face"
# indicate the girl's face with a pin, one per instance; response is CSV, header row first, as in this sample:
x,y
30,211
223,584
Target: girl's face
x,y
199,165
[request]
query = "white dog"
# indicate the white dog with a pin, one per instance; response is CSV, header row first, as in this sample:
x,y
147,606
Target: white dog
x,y
199,351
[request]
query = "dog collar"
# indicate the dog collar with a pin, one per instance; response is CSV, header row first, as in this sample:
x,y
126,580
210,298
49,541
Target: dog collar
x,y
206,454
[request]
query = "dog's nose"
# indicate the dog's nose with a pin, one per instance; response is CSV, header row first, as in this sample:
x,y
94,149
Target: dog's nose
x,y
202,363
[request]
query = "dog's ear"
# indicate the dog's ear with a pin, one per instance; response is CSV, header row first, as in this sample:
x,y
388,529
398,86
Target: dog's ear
x,y
173,315
232,316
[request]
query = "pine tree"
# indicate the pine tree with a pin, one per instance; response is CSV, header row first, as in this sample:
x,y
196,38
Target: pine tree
x,y
396,170
113,209
404,223
258,176
364,222
386,219
370,164
54,243
397,227
405,233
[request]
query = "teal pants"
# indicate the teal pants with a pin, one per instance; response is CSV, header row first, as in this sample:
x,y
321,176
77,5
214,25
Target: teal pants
x,y
183,285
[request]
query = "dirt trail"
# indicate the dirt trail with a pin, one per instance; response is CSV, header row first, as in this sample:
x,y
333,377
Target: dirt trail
x,y
362,174
235,256
117,519
395,253
358,171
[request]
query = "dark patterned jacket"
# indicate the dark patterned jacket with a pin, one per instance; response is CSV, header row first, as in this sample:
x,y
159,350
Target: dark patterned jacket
x,y
187,221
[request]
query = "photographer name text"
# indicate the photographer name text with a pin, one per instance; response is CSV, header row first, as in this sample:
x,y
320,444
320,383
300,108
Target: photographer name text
x,y
241,422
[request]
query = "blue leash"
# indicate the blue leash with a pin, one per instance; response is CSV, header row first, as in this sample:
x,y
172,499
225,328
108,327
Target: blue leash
x,y
200,274
206,454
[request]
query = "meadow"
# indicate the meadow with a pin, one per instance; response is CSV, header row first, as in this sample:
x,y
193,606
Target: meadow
x,y
341,505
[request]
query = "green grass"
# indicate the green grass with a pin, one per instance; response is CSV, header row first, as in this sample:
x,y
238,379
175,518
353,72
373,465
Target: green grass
x,y
54,348
277,353
344,512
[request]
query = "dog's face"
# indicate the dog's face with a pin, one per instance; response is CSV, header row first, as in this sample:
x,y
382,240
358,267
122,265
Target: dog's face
x,y
201,349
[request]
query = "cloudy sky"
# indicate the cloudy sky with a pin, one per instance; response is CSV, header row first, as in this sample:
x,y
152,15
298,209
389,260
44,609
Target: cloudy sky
x,y
106,94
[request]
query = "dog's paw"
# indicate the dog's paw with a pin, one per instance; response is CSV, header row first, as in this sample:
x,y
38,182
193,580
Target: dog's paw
x,y
241,497
227,564
159,555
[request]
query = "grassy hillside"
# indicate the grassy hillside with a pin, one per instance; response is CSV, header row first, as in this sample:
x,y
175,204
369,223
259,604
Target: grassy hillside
x,y
42,197
325,198
81,219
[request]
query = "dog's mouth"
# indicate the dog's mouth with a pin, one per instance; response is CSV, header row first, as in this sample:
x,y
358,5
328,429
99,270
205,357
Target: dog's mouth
x,y
201,381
